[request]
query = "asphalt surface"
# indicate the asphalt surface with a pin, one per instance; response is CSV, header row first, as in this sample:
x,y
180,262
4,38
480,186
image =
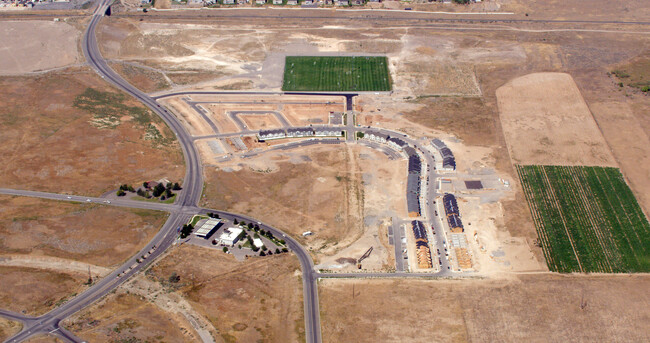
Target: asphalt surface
x,y
192,186
186,205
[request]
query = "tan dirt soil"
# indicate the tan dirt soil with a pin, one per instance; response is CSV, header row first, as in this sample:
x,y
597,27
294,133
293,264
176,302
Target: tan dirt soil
x,y
258,299
546,121
536,307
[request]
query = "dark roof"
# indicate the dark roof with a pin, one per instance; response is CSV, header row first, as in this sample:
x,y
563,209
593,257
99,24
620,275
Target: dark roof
x,y
271,132
445,152
398,141
413,203
449,162
410,151
474,184
418,230
415,165
413,184
438,144
300,129
450,204
454,221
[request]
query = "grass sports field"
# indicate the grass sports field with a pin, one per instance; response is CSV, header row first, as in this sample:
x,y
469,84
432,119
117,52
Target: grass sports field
x,y
359,73
587,219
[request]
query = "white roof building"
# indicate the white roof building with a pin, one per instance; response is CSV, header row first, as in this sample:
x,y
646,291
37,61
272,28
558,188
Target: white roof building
x,y
206,229
258,242
230,236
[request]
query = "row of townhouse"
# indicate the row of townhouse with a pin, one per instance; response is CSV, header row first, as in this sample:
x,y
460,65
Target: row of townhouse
x,y
299,132
302,2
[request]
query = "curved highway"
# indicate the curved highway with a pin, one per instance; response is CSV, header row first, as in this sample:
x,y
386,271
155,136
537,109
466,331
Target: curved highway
x,y
192,189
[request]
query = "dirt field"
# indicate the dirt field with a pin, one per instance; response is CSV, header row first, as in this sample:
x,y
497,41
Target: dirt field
x,y
94,234
20,53
259,299
50,145
8,328
36,291
271,187
383,199
532,308
125,318
260,121
546,121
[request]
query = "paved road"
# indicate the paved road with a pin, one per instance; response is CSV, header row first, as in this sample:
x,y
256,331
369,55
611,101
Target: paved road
x,y
192,184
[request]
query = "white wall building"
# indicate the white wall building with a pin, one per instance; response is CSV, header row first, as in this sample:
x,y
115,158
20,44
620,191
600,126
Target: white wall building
x,y
230,236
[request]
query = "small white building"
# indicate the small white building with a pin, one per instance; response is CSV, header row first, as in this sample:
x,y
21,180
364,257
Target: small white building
x,y
292,2
258,242
230,236
307,233
327,132
265,135
277,2
300,132
260,2
375,137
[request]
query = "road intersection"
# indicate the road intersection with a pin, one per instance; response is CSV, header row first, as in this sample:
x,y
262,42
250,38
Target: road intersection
x,y
185,206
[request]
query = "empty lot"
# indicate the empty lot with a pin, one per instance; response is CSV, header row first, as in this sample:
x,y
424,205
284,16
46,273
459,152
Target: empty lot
x,y
531,308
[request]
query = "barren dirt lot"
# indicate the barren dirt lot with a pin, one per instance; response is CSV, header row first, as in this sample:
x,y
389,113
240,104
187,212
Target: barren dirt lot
x,y
546,121
8,328
273,187
125,318
99,235
20,53
36,291
259,299
531,308
51,145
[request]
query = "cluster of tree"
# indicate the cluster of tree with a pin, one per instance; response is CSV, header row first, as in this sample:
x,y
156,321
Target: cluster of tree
x,y
186,230
214,215
123,189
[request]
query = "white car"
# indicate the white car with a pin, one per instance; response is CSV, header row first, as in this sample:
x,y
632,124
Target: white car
x,y
88,200
107,201
69,197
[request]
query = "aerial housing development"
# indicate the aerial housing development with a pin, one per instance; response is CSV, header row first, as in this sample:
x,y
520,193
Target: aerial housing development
x,y
324,171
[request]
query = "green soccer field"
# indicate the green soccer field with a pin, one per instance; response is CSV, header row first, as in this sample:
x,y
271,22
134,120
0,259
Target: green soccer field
x,y
587,219
358,73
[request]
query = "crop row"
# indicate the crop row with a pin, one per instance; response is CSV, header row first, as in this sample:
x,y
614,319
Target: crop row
x,y
587,219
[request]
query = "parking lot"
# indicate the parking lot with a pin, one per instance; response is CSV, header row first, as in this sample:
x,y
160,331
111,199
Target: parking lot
x,y
242,247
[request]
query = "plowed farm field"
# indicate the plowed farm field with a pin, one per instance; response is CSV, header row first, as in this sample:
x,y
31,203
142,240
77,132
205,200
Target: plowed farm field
x,y
587,219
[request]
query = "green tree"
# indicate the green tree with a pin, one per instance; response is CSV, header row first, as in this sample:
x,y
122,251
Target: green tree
x,y
225,249
235,221
277,251
262,253
120,193
186,230
158,190
176,187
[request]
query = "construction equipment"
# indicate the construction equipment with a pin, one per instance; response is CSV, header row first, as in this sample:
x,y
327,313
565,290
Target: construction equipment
x,y
365,256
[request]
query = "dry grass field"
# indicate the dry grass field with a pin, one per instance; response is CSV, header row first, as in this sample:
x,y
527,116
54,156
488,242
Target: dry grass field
x,y
273,188
8,328
259,299
36,291
51,145
125,318
94,234
145,80
530,308
546,121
